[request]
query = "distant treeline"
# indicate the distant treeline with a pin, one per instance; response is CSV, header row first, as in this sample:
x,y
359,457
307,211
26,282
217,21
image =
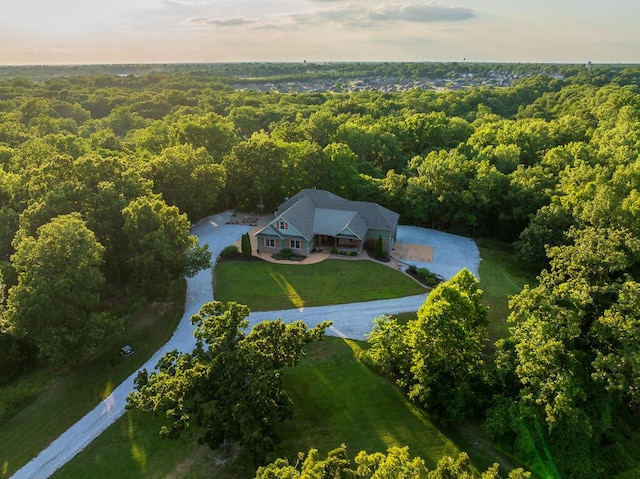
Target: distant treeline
x,y
273,71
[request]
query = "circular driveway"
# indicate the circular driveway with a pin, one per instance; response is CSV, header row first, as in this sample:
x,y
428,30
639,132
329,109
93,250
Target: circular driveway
x,y
352,321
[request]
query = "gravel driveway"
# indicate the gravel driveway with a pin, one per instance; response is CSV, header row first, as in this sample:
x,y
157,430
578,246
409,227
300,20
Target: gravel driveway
x,y
351,320
214,231
451,252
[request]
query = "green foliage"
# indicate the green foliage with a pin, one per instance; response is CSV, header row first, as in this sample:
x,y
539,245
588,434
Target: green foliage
x,y
568,358
394,464
73,392
286,253
246,245
230,251
429,278
159,245
541,162
57,296
209,131
230,385
189,179
378,249
255,168
18,357
438,356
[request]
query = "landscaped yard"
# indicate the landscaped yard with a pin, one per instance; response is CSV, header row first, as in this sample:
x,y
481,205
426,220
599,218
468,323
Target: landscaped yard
x,y
337,399
265,286
63,397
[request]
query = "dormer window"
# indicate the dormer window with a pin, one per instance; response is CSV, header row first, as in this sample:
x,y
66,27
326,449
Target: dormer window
x,y
282,225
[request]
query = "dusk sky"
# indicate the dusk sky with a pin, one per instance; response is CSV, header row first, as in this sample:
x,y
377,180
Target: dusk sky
x,y
168,31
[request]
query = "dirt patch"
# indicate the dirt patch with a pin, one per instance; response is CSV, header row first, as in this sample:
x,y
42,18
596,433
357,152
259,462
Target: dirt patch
x,y
414,252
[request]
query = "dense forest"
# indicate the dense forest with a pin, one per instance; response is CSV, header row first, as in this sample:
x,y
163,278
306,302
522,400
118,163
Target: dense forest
x,y
102,174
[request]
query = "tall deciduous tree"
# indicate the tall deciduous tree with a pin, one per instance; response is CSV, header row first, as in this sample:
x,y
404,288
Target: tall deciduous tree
x,y
571,358
57,295
446,341
189,179
254,170
438,356
210,131
161,249
230,384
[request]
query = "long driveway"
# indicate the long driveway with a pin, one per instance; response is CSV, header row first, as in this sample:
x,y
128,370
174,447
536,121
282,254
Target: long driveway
x,y
349,320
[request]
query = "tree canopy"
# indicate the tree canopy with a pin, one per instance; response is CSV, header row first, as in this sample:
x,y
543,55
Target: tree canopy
x,y
394,464
230,385
56,300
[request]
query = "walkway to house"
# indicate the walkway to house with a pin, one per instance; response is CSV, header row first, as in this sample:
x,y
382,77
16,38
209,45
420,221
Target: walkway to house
x,y
260,222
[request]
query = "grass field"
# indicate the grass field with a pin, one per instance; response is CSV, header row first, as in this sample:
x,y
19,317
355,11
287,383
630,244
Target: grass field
x,y
500,278
64,396
337,400
265,286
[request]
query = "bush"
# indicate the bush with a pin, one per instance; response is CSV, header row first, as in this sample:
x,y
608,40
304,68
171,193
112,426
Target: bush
x,y
429,278
379,251
230,252
13,399
246,245
286,253
424,275
18,357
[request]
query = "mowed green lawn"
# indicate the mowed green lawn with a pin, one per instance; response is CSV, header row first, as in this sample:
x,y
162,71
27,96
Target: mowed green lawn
x,y
337,399
500,278
265,286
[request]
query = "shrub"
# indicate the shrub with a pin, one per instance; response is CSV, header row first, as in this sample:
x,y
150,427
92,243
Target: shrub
x,y
230,251
286,253
353,253
13,399
429,278
379,251
18,357
246,245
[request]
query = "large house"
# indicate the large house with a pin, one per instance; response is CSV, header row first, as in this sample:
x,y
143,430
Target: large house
x,y
316,219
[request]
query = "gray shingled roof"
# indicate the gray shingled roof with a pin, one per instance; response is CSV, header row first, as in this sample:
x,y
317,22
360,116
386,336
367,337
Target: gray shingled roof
x,y
333,222
314,212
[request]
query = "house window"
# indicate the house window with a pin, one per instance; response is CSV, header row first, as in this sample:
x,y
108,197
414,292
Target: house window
x,y
270,242
282,225
295,244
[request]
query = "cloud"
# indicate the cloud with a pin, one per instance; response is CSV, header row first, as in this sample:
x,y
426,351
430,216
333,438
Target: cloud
x,y
420,13
353,15
346,13
223,22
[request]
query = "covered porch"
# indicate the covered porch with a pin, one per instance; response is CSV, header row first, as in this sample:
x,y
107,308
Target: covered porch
x,y
347,244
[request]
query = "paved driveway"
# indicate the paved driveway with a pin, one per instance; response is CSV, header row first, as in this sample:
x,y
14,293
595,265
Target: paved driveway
x,y
350,320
